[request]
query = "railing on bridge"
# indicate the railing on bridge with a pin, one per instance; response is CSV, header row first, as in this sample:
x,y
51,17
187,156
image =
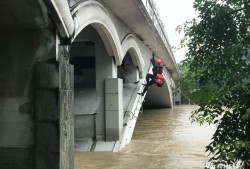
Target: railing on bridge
x,y
158,24
155,16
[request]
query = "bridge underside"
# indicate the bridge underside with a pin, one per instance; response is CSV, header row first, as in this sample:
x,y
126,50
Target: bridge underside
x,y
158,97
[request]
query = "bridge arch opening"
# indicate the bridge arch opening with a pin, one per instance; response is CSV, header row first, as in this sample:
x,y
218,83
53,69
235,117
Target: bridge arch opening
x,y
129,72
92,65
98,17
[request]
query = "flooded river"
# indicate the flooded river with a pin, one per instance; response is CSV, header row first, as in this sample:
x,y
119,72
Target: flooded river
x,y
163,139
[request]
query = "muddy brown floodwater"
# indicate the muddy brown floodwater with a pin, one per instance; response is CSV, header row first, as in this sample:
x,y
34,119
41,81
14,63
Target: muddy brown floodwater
x,y
163,139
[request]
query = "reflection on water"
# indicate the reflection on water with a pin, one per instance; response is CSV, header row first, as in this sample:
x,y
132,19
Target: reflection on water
x,y
163,139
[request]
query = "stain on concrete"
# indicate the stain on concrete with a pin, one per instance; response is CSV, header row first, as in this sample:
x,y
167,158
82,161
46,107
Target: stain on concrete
x,y
26,108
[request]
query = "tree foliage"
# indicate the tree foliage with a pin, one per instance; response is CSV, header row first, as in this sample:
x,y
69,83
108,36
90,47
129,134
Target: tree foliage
x,y
216,75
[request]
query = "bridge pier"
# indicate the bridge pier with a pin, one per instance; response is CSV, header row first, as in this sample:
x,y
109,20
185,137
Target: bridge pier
x,y
113,109
66,106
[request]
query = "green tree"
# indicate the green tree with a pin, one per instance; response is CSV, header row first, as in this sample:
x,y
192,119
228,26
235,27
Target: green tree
x,y
218,76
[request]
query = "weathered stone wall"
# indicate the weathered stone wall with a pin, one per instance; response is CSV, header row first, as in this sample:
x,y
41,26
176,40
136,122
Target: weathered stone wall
x,y
66,109
20,130
46,116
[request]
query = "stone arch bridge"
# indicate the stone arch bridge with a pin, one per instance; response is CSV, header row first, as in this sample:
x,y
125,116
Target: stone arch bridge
x,y
67,77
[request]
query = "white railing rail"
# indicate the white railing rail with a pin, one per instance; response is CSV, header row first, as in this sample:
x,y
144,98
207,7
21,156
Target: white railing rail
x,y
158,24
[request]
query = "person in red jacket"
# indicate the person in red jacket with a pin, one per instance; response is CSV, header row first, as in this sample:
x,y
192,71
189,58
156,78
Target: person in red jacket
x,y
156,77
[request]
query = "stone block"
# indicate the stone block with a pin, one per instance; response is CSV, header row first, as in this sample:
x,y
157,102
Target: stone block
x,y
47,160
113,108
16,122
114,101
113,126
66,134
47,137
47,105
47,145
84,126
66,104
46,76
16,133
66,79
113,85
17,157
67,144
111,101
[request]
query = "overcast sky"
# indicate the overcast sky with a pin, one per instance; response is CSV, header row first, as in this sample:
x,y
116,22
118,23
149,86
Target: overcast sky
x,y
174,13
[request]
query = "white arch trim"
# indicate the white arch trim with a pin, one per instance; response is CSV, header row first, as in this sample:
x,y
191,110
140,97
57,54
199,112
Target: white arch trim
x,y
170,85
129,44
92,12
61,16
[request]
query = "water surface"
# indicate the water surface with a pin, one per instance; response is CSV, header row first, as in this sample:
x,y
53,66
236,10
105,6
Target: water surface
x,y
163,139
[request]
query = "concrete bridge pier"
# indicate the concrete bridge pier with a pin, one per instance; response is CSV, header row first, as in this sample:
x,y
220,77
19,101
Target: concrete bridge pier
x,y
113,109
46,115
66,109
